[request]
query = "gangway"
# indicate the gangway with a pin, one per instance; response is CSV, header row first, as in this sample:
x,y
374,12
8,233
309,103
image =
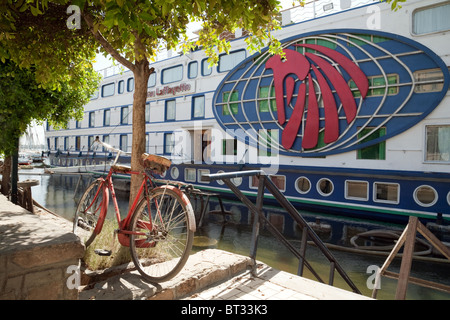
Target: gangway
x,y
264,182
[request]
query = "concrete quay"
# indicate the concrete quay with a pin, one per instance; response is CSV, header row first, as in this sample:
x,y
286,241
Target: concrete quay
x,y
214,274
35,253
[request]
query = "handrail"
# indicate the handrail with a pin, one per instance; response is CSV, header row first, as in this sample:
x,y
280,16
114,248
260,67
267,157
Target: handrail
x,y
256,210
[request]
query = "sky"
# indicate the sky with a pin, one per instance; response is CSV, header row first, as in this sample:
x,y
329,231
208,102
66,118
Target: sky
x,y
105,62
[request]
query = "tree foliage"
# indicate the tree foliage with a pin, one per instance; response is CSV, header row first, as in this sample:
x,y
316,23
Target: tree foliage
x,y
23,99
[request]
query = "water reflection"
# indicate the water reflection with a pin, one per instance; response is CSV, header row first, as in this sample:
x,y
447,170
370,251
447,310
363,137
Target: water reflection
x,y
59,193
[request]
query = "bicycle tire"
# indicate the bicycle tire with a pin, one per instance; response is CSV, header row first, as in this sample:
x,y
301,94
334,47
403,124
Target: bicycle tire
x,y
86,225
164,250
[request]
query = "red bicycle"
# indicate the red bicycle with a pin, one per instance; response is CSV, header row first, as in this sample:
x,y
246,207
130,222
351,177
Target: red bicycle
x,y
160,224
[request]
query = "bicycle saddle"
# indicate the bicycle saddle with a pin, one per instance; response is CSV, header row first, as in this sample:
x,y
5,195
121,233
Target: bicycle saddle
x,y
158,164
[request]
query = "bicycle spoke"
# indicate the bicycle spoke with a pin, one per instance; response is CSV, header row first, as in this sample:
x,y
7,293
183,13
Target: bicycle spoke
x,y
88,212
170,235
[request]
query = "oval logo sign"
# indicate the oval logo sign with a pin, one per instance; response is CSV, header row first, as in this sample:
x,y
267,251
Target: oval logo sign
x,y
333,92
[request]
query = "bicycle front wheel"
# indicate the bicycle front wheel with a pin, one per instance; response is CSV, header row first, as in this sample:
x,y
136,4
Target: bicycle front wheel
x,y
89,212
162,230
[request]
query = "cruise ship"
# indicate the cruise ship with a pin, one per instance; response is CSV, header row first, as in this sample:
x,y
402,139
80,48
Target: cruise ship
x,y
354,121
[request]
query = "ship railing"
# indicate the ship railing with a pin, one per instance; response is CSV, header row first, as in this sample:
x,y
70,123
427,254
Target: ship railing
x,y
264,182
308,11
317,9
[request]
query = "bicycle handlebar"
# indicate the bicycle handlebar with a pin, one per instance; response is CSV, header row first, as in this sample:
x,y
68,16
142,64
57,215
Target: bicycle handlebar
x,y
110,147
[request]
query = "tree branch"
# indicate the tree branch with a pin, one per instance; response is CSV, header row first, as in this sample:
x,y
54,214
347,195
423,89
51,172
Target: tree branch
x,y
105,44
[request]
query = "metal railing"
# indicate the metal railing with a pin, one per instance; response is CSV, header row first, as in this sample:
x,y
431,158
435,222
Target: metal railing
x,y
264,182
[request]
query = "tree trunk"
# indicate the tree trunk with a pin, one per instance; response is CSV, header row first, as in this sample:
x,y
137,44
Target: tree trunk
x,y
15,174
6,175
141,75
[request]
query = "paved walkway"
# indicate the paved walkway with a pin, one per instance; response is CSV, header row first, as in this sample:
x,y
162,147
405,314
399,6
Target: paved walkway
x,y
271,284
214,274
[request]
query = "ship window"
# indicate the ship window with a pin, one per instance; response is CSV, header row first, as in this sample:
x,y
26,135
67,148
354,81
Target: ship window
x,y
198,107
325,187
105,139
124,115
377,86
206,69
192,69
231,60
237,181
189,174
202,172
264,102
254,182
121,87
124,142
147,112
266,140
320,42
303,185
362,39
430,80
229,147
170,110
356,190
425,196
108,89
376,151
438,143
90,142
174,172
229,97
94,95
107,117
386,192
151,80
130,84
431,19
91,119
77,143
172,74
169,143
220,181
279,182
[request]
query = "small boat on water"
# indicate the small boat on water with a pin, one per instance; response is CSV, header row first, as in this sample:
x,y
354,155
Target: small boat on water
x,y
25,159
385,240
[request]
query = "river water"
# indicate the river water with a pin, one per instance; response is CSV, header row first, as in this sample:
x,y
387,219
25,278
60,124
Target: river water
x,y
233,232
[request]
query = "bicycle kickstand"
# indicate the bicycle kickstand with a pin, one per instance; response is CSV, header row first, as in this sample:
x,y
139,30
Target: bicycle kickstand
x,y
105,252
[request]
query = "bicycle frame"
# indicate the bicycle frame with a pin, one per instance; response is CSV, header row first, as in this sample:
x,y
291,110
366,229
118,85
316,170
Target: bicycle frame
x,y
107,186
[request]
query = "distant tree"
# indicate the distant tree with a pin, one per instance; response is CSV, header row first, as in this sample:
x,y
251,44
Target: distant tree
x,y
23,99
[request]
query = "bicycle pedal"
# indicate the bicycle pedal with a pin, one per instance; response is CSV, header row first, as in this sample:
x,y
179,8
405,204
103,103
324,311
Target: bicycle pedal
x,y
103,252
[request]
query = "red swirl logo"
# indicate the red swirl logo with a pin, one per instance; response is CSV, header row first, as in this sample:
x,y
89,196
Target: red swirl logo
x,y
307,68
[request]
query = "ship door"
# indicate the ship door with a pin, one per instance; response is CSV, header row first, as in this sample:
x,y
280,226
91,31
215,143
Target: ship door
x,y
201,146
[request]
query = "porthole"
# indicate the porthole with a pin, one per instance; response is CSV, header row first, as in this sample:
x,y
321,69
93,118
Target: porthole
x,y
174,172
302,185
218,180
325,187
425,196
448,198
237,181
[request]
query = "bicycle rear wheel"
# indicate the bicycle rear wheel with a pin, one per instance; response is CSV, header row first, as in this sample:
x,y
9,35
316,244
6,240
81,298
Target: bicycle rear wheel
x,y
162,234
88,214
